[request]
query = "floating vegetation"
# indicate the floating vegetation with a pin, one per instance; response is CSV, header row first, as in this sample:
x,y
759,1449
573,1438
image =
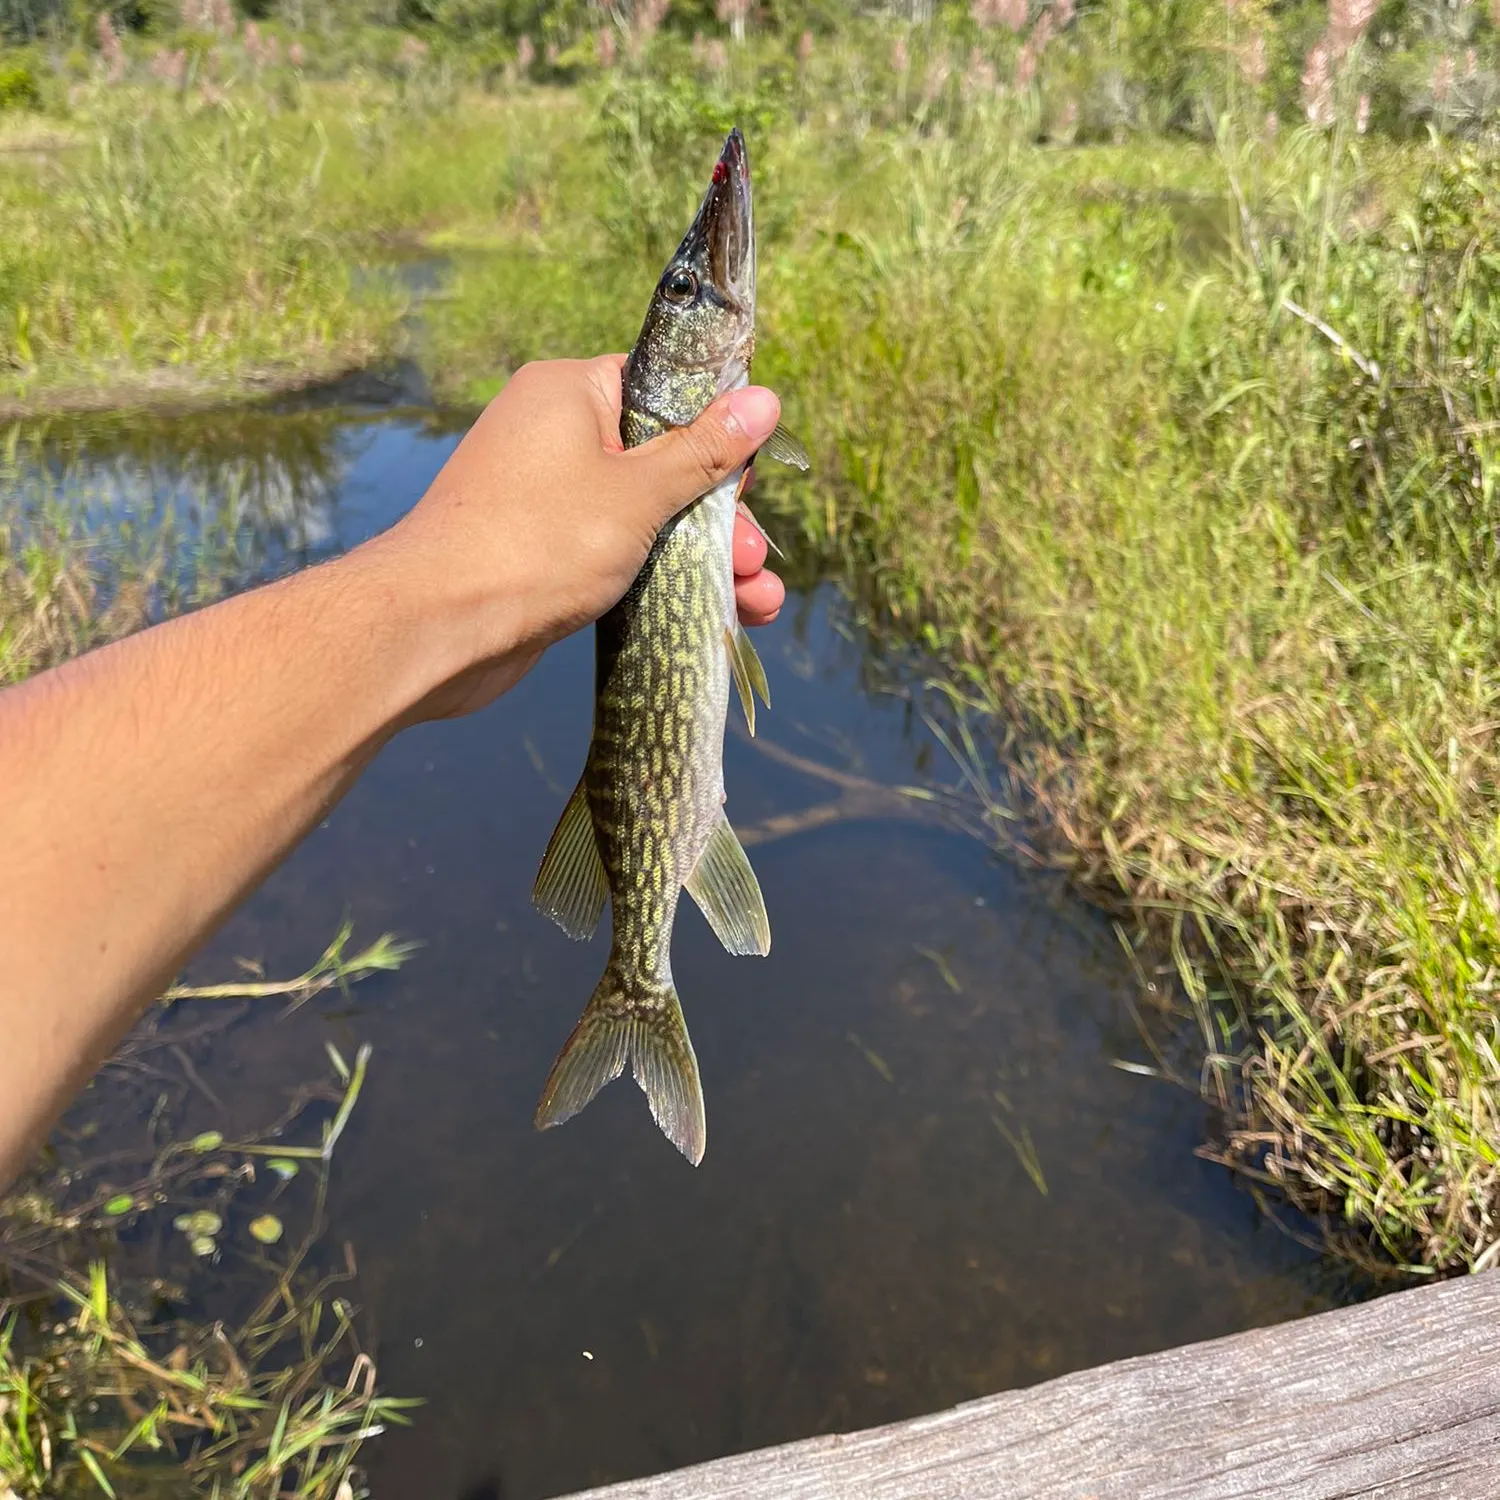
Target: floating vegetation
x,y
1025,1148
941,964
872,1057
111,1378
333,969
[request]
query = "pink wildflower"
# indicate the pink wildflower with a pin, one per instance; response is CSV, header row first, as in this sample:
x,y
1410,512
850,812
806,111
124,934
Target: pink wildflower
x,y
1443,75
644,24
1252,60
733,13
111,48
1026,61
1317,85
978,80
1008,13
938,72
1347,22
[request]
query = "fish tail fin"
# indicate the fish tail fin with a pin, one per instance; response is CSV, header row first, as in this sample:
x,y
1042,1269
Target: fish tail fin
x,y
640,1024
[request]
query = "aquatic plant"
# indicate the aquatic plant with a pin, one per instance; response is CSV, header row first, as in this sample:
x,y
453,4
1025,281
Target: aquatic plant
x,y
1177,457
104,1383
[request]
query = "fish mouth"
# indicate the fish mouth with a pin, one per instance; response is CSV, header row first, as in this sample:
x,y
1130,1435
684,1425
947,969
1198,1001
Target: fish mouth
x,y
725,226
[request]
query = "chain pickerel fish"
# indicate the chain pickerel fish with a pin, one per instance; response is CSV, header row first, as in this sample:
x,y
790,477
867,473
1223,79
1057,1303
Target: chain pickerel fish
x,y
647,818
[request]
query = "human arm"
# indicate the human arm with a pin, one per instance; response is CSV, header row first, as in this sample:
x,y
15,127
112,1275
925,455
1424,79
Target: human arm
x,y
150,785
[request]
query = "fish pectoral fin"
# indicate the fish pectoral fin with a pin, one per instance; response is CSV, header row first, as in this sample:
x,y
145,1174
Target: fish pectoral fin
x,y
571,886
749,674
786,448
728,894
645,1031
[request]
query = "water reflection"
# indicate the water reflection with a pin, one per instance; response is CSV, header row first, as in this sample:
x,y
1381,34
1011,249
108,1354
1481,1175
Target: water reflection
x,y
925,1178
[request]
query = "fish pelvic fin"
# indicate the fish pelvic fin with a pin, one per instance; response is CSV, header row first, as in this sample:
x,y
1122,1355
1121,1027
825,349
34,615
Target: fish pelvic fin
x,y
640,1025
728,894
571,886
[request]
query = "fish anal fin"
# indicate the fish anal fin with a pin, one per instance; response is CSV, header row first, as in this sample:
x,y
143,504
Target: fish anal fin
x,y
753,668
741,677
728,894
646,1032
571,886
749,674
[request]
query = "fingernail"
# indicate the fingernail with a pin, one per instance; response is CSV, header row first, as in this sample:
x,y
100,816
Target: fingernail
x,y
754,410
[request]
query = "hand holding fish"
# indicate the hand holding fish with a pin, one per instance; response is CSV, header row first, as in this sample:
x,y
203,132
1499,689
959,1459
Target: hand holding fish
x,y
541,519
152,784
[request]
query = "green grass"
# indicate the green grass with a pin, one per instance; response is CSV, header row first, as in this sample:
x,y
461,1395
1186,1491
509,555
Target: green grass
x,y
1088,426
104,1390
170,253
1234,595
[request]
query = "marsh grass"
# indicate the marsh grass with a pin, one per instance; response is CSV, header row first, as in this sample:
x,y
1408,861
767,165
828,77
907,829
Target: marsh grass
x,y
1178,454
1229,576
51,603
112,1383
1179,458
173,254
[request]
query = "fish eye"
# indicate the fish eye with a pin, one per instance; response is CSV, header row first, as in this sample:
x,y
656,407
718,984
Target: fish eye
x,y
681,284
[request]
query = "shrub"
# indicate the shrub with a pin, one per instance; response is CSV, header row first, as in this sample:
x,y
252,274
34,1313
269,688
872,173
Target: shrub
x,y
19,88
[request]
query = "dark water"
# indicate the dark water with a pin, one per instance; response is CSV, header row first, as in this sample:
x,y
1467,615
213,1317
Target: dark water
x,y
930,1042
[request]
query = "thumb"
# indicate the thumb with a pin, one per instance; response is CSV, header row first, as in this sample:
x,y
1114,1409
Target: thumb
x,y
687,462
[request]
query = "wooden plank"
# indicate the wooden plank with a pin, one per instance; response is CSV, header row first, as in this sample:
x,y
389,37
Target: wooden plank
x,y
1397,1399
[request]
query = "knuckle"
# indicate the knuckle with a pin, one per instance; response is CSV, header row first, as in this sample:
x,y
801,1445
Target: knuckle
x,y
525,376
709,448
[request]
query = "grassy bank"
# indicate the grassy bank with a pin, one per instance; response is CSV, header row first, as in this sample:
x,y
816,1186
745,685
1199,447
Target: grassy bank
x,y
1175,447
1195,492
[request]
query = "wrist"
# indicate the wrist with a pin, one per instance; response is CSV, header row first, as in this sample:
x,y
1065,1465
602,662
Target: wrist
x,y
441,619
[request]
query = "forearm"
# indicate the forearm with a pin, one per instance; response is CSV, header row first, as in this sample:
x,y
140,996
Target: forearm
x,y
148,787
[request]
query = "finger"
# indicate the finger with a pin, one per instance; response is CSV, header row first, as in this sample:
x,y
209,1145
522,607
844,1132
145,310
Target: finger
x,y
746,514
687,462
759,597
749,480
607,373
749,547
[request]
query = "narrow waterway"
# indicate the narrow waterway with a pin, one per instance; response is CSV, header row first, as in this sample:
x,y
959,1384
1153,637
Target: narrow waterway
x,y
926,1177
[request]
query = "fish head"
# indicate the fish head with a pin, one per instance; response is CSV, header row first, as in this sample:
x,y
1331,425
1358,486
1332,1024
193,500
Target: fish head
x,y
699,332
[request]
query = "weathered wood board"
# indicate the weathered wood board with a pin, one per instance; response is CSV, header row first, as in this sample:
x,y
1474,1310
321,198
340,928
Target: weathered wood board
x,y
1397,1399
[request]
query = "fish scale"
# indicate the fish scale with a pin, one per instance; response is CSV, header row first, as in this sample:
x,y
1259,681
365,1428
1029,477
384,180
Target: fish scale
x,y
646,820
660,702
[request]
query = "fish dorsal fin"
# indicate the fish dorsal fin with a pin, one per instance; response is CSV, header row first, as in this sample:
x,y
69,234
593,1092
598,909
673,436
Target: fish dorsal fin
x,y
571,886
728,894
786,449
749,674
